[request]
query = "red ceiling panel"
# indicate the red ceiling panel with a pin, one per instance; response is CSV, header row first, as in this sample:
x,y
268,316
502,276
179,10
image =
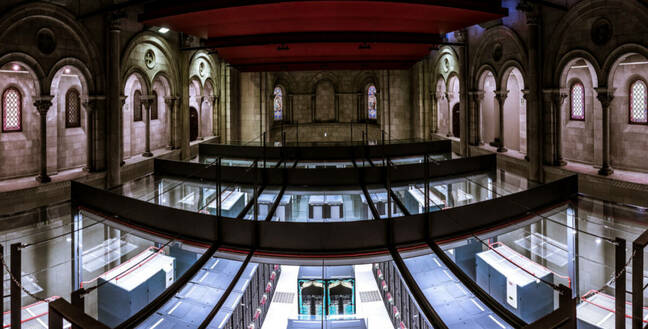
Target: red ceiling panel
x,y
250,18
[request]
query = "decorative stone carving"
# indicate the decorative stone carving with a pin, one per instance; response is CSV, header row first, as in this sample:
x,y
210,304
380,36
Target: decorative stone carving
x,y
498,52
601,31
446,65
149,59
201,69
45,41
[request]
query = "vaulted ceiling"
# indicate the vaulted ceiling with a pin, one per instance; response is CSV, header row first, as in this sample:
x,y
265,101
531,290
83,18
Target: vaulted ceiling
x,y
263,35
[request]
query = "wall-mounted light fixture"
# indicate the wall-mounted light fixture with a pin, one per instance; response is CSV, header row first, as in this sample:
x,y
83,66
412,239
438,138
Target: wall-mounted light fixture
x,y
163,30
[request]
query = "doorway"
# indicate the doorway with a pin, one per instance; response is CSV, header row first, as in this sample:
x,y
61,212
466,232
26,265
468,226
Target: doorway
x,y
193,124
456,121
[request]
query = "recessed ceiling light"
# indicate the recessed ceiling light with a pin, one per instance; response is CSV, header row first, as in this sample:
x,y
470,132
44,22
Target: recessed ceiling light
x,y
67,70
15,67
163,30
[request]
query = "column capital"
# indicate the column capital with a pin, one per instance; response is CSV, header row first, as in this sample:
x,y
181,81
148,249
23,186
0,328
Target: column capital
x,y
115,20
43,103
147,100
169,100
477,95
90,102
122,99
501,95
605,96
531,10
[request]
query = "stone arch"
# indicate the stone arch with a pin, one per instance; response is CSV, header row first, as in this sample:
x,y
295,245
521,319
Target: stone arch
x,y
507,37
19,150
578,15
361,84
446,52
325,100
29,18
161,87
626,137
515,117
71,143
488,109
442,106
207,109
453,92
162,50
134,133
581,139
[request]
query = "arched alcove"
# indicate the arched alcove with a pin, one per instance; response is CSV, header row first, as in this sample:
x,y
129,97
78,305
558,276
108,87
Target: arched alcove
x,y
489,112
134,130
443,118
68,88
580,137
514,111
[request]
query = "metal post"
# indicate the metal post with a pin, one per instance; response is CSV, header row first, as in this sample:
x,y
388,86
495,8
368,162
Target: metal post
x,y
256,190
427,183
264,149
297,133
16,293
637,280
55,320
565,300
389,190
2,276
620,283
220,173
78,300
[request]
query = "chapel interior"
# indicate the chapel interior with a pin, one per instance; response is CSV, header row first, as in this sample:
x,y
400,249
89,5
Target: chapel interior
x,y
324,164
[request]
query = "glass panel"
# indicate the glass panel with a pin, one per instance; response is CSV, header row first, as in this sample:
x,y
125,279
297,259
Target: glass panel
x,y
12,106
327,205
578,102
195,300
454,303
638,106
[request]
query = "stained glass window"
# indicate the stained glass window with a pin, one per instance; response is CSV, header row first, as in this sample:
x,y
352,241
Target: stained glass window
x,y
638,102
278,104
72,109
154,106
578,102
137,106
11,110
372,113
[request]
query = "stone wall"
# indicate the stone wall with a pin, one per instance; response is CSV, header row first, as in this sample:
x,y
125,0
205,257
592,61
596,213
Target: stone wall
x,y
326,105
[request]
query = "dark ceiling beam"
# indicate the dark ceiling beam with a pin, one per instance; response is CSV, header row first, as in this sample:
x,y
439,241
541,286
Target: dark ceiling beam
x,y
167,8
332,65
323,37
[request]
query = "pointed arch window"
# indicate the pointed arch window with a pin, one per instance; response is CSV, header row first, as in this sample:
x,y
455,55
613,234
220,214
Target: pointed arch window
x,y
372,103
11,110
278,103
577,102
154,106
638,102
137,106
72,109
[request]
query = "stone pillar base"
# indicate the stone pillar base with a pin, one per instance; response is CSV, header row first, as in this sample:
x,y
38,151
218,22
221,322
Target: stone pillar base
x,y
606,171
43,179
147,154
501,149
169,147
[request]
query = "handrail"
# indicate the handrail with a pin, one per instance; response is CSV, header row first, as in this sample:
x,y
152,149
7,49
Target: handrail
x,y
61,309
330,176
328,238
326,152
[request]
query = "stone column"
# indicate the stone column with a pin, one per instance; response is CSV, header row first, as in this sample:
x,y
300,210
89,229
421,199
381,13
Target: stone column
x,y
43,104
114,156
558,97
501,95
122,102
535,122
477,97
169,101
526,93
201,100
177,124
147,101
90,104
605,96
449,95
214,109
436,96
